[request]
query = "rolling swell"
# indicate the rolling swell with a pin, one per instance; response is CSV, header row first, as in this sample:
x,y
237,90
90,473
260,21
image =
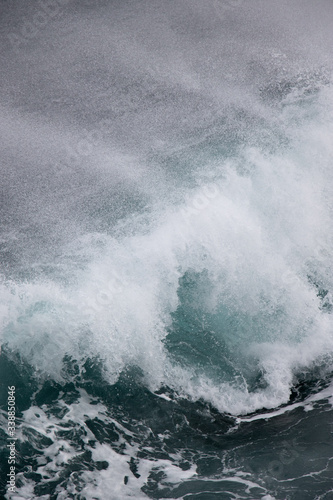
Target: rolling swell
x,y
226,294
166,247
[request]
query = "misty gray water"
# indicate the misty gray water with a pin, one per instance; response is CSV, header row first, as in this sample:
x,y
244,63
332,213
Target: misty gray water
x,y
166,248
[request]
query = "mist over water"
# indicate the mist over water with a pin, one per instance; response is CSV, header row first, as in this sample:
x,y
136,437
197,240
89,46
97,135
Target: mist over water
x,y
166,197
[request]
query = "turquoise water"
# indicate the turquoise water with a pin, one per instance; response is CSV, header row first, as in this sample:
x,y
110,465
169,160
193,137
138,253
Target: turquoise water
x,y
166,249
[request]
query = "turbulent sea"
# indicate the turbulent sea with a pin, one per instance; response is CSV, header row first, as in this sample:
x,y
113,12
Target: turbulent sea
x,y
166,247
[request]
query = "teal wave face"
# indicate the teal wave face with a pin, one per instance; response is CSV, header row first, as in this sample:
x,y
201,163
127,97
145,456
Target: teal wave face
x,y
223,293
166,249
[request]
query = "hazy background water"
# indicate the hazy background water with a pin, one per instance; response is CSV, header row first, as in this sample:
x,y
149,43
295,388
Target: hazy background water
x,y
166,247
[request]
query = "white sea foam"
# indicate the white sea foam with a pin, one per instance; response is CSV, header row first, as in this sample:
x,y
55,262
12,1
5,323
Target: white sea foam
x,y
51,432
261,230
38,423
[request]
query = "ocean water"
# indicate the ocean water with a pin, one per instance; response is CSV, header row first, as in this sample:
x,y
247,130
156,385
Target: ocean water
x,y
166,247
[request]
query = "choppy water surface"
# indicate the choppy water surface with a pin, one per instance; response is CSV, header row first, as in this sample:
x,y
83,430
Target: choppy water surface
x,y
166,248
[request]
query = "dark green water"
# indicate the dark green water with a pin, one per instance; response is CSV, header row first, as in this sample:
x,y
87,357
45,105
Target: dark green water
x,y
166,249
85,436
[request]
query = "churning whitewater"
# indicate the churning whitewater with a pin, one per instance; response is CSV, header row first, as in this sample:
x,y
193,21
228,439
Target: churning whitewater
x,y
223,293
166,288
